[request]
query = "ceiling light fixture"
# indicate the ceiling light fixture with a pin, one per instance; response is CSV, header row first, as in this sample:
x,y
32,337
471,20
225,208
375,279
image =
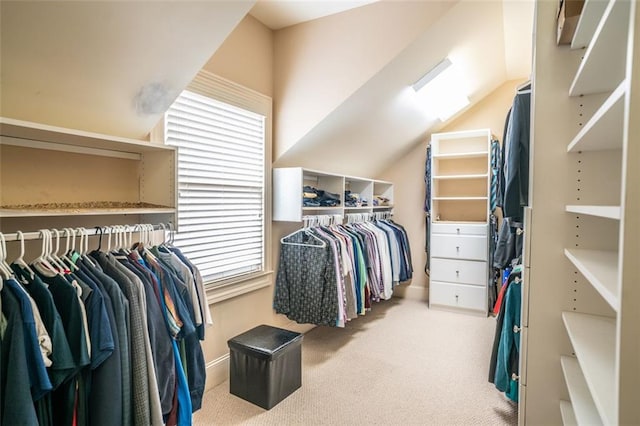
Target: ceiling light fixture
x,y
440,91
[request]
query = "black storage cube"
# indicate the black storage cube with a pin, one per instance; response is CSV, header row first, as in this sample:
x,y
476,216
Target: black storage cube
x,y
266,365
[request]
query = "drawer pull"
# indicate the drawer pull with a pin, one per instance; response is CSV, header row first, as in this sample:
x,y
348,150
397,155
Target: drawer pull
x,y
458,230
457,273
458,248
515,377
516,329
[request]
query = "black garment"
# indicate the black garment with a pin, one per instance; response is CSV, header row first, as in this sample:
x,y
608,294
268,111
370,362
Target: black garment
x,y
68,305
516,192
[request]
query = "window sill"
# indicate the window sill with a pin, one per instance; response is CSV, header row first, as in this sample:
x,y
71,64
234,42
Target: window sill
x,y
237,288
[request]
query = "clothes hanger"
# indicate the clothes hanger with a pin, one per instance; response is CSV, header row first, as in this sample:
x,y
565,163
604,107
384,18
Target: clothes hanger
x,y
61,269
20,260
306,231
524,88
42,259
54,254
4,267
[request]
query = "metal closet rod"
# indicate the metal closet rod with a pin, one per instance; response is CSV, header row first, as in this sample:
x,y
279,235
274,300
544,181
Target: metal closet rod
x,y
110,229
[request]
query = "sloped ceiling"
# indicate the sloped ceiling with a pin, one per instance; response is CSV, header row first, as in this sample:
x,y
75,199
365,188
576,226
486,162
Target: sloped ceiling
x,y
111,67
382,121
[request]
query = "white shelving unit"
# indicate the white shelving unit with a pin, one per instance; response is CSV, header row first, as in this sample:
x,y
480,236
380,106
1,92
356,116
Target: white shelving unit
x,y
585,203
288,188
41,163
459,220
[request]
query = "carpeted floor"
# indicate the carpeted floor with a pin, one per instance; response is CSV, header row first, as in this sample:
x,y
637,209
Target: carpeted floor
x,y
401,364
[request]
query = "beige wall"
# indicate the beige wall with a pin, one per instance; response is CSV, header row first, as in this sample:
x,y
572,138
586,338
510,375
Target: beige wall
x,y
408,177
320,63
246,56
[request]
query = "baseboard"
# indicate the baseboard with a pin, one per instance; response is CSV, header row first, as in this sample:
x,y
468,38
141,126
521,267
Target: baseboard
x,y
412,292
217,371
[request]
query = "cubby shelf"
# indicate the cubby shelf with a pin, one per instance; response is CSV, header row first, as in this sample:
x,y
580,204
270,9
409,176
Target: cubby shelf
x,y
608,212
600,268
289,183
590,17
583,408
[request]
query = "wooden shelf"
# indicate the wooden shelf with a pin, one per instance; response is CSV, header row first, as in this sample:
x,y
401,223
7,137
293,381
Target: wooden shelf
x,y
590,17
600,268
593,338
583,408
455,177
461,155
604,130
604,63
608,212
568,416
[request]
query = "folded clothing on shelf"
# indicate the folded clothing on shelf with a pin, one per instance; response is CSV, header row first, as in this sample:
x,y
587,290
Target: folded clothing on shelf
x,y
312,197
379,200
352,199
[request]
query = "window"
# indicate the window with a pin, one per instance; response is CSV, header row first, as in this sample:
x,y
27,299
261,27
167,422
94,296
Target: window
x,y
222,132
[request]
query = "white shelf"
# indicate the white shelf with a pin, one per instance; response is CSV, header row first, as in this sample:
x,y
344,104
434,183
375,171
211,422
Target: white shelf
x,y
590,17
322,208
455,177
604,130
568,416
604,63
382,207
42,136
458,198
461,155
583,408
600,268
593,338
609,212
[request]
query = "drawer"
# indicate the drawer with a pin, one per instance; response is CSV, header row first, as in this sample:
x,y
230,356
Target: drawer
x,y
459,271
459,246
459,228
457,295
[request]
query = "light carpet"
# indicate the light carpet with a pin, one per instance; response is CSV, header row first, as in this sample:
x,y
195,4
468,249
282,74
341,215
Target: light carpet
x,y
401,364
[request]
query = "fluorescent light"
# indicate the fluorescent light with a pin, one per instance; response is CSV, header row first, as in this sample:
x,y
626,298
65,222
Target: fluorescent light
x,y
440,91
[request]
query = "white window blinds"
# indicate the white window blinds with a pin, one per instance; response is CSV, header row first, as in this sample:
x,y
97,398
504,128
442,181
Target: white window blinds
x,y
220,185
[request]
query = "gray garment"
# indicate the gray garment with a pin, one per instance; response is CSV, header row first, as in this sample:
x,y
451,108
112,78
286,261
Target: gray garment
x,y
509,244
306,284
153,395
121,316
139,373
161,342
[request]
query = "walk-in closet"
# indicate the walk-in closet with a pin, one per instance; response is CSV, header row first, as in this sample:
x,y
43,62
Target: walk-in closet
x,y
261,212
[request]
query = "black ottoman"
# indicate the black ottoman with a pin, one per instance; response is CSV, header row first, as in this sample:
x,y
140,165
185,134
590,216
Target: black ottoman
x,y
266,365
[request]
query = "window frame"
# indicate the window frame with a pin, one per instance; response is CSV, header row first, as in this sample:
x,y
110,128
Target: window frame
x,y
220,89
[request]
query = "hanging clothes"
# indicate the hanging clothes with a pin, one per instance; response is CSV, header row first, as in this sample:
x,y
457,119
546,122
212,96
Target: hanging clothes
x,y
330,275
505,356
110,338
516,157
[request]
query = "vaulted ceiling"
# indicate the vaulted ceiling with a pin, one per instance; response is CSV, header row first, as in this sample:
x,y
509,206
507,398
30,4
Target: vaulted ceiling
x,y
342,69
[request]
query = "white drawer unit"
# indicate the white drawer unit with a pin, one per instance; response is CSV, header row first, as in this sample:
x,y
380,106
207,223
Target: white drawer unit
x,y
457,295
459,246
459,271
459,228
